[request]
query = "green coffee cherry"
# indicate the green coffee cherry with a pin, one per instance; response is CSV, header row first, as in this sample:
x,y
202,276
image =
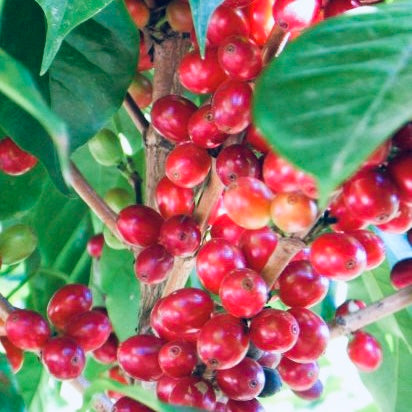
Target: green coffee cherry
x,y
118,198
105,147
111,240
17,243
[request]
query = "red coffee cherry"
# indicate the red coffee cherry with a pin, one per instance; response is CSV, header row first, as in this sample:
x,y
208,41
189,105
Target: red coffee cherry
x,y
223,342
125,404
300,285
63,357
141,90
240,58
236,161
379,156
27,329
349,306
296,15
365,351
371,196
244,406
165,386
195,392
237,3
256,139
95,246
145,59
139,225
201,75
13,160
170,116
173,200
14,354
401,274
153,264
400,171
225,228
257,246
215,260
231,106
274,330
245,286
261,20
338,256
401,222
178,358
139,12
373,245
116,374
188,165
67,302
311,394
226,22
107,353
179,16
202,129
270,359
243,382
403,137
138,357
313,336
89,329
346,221
336,7
248,203
299,376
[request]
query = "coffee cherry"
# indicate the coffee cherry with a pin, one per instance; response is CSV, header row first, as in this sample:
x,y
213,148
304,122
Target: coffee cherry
x,y
141,90
226,22
350,306
201,75
153,264
365,351
14,354
231,106
300,285
188,165
248,203
215,260
225,228
180,235
179,16
243,382
107,353
63,357
403,137
379,156
338,256
261,20
118,199
311,394
274,330
139,225
373,245
293,212
270,359
139,12
336,7
138,357
117,374
236,161
95,245
17,243
401,274
313,336
400,171
195,392
220,407
223,342
178,358
245,286
27,329
256,139
296,15
237,3
299,376
67,302
257,246
125,404
106,149
244,406
164,387
346,221
13,160
401,222
145,58
89,329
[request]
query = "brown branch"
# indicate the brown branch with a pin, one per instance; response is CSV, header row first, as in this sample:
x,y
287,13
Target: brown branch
x,y
275,43
344,325
136,115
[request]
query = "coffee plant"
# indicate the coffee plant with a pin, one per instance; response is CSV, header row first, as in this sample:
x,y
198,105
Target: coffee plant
x,y
185,185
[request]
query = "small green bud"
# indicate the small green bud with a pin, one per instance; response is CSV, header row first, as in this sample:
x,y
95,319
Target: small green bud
x,y
118,198
105,147
111,240
17,243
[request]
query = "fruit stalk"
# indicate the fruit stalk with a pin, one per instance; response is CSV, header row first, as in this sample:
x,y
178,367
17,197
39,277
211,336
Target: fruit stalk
x,y
136,115
274,44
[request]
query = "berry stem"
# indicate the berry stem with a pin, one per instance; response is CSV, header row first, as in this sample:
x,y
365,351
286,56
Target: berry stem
x,y
344,325
275,43
136,115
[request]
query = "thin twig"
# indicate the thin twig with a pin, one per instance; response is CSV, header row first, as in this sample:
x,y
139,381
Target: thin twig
x,y
274,44
136,115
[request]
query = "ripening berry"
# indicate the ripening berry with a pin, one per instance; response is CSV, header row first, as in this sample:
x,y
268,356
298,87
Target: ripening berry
x,y
13,160
365,351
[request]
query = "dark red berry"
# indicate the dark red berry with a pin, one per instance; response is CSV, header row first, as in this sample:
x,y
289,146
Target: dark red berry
x,y
107,353
95,246
14,354
244,406
178,358
299,376
403,137
349,306
400,171
365,351
336,7
165,386
373,245
126,404
311,394
13,160
401,274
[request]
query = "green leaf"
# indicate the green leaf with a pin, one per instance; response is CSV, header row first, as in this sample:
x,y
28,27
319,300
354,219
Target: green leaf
x,y
338,91
114,277
201,13
10,400
62,17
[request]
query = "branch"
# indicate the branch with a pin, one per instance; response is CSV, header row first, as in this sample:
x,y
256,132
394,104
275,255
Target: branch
x,y
275,43
136,115
344,325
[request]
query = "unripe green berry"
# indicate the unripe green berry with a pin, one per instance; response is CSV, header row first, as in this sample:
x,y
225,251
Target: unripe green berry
x,y
17,243
111,240
105,147
118,198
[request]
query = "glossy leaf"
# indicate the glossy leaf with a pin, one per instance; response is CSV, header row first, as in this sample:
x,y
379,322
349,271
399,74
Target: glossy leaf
x,y
10,400
338,91
201,13
62,17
